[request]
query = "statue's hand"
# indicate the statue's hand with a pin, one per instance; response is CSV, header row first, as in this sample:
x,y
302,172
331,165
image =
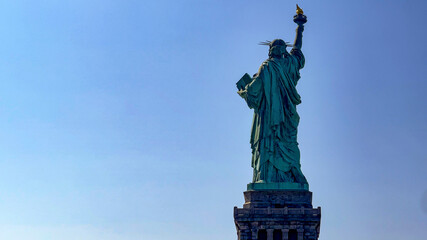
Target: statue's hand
x,y
242,93
300,27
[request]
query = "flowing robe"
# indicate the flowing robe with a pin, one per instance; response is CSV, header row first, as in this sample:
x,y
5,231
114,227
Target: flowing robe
x,y
273,96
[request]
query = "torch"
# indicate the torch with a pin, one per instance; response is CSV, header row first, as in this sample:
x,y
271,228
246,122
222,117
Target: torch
x,y
300,18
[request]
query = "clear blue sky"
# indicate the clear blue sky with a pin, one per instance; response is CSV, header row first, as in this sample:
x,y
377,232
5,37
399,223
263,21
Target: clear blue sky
x,y
120,119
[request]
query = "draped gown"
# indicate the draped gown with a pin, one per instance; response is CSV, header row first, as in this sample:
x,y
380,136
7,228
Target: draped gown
x,y
273,96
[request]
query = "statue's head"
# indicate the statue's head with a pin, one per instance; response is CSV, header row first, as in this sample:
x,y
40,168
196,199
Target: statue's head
x,y
277,48
277,42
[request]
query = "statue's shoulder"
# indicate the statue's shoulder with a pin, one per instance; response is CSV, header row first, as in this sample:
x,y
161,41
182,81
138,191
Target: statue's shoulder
x,y
264,64
268,62
275,61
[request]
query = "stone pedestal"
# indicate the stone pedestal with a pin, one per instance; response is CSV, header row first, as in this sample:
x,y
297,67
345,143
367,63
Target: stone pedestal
x,y
277,215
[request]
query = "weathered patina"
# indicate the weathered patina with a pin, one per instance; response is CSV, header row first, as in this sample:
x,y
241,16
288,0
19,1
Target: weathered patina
x,y
273,95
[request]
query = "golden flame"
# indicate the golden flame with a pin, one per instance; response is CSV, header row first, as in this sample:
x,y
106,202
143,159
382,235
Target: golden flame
x,y
299,10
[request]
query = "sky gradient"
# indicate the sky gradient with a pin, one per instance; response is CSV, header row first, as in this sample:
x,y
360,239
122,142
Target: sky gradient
x,y
119,120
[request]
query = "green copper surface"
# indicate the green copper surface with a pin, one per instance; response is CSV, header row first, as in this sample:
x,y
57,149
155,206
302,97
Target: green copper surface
x,y
273,95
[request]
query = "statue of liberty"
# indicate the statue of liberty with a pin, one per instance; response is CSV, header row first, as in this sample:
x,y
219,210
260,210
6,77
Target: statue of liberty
x,y
272,94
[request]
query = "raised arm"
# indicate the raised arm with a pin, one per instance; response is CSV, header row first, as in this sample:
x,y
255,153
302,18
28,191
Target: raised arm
x,y
298,37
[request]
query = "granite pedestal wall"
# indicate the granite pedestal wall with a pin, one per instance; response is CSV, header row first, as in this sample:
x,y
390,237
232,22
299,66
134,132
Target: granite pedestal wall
x,y
277,215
